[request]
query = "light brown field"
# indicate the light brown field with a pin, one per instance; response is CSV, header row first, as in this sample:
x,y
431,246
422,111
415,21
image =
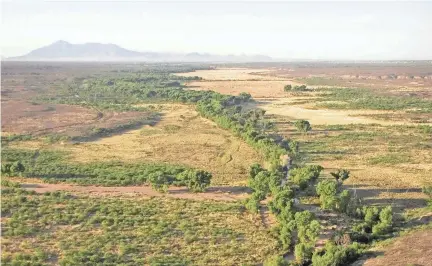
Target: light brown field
x,y
289,108
181,137
233,74
23,117
212,193
398,184
412,249
268,90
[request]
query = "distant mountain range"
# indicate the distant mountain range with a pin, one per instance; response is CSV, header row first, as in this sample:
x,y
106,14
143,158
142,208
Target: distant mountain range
x,y
65,51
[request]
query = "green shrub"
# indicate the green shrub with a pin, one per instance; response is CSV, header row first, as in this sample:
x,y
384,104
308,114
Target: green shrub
x,y
340,175
253,202
333,255
195,180
303,253
327,191
303,176
303,125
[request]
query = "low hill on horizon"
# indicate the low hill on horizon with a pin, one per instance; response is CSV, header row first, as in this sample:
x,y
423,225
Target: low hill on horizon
x,y
65,51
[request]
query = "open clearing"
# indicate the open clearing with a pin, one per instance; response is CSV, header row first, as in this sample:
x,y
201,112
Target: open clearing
x,y
213,193
232,74
181,137
286,107
21,117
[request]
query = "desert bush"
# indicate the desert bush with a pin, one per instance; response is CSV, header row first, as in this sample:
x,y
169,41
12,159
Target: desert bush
x,y
333,255
308,228
327,191
253,202
303,125
340,175
195,180
286,235
303,176
303,253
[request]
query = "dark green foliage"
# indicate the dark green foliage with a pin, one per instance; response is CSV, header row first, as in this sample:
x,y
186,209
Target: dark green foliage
x,y
10,169
286,235
295,88
308,228
340,175
253,202
371,214
334,255
288,87
53,166
283,203
303,125
160,181
327,191
195,180
345,202
303,176
385,222
303,253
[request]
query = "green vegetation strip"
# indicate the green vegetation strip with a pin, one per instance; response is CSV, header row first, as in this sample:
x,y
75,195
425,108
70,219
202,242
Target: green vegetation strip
x,y
367,99
57,228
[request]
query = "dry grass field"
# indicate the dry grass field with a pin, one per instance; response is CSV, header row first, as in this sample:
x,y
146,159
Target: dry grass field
x,y
411,249
389,158
181,137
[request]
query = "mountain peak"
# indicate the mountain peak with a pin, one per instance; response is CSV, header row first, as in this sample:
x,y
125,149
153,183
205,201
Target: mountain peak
x,y
64,51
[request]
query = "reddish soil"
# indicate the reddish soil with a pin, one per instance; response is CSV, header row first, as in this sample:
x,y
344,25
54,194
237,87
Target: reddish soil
x,y
21,117
412,249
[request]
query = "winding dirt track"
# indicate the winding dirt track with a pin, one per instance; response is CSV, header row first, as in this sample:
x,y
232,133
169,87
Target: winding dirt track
x,y
212,193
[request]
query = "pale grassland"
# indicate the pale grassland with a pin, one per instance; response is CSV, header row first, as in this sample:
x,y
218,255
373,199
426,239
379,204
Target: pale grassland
x,y
181,137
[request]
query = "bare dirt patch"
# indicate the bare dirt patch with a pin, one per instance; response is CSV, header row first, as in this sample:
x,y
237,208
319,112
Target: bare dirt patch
x,y
21,117
213,193
412,249
285,107
258,88
232,74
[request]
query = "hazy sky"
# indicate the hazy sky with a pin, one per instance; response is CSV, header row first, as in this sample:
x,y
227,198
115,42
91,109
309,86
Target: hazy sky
x,y
298,30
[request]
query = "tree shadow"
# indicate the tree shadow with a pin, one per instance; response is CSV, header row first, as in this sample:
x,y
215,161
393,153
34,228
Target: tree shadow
x,y
120,130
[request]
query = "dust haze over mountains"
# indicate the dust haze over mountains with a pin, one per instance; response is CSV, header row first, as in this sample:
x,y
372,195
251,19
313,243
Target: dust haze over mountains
x,y
65,51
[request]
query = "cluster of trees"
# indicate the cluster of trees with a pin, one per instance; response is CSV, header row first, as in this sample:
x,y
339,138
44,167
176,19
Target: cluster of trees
x,y
289,88
376,223
305,176
12,169
296,230
195,180
53,167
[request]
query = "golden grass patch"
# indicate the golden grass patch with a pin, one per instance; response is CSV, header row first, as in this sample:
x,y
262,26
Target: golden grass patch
x,y
181,137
